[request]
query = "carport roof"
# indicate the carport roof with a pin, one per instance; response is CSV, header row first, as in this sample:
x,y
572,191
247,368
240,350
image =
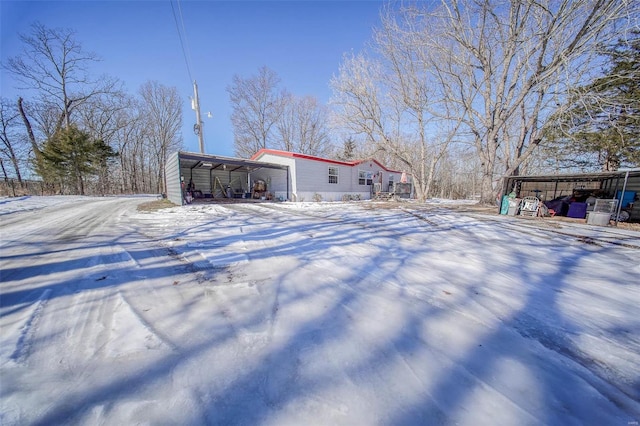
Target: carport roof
x,y
577,177
194,160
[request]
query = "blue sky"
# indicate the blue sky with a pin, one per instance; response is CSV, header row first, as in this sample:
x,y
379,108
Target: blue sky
x,y
302,41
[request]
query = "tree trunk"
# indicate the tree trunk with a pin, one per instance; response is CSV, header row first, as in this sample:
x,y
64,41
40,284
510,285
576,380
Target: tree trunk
x,y
32,138
6,178
16,165
487,193
432,171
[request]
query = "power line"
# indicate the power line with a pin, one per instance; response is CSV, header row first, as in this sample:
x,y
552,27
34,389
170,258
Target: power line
x,y
182,35
184,44
184,31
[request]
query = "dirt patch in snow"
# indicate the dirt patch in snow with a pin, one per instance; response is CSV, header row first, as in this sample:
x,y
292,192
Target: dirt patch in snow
x,y
151,206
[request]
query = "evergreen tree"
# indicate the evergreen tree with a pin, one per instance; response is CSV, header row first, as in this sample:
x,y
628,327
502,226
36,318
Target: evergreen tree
x,y
71,156
348,150
601,123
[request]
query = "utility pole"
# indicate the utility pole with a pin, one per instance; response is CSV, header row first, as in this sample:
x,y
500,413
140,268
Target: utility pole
x,y
197,128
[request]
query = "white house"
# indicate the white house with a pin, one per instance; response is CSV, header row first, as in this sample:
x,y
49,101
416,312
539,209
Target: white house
x,y
280,175
314,178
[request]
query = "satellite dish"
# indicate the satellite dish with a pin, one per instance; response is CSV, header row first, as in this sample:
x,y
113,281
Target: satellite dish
x,y
209,115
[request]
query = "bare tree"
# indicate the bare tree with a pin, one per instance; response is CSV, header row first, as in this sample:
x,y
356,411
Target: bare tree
x,y
303,127
137,168
421,108
257,107
56,66
129,132
162,114
103,116
487,71
389,101
13,146
54,70
358,100
458,174
27,124
286,127
505,65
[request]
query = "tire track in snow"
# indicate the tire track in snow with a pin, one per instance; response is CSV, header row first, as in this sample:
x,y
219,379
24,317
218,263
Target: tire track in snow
x,y
597,373
272,383
251,328
155,333
83,315
274,212
533,227
67,217
58,217
551,230
23,345
592,371
439,408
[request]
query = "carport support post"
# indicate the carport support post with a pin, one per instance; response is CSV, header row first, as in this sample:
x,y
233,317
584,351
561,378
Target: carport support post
x,y
624,188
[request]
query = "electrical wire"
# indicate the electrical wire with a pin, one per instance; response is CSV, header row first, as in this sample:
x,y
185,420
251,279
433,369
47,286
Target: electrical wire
x,y
184,31
182,35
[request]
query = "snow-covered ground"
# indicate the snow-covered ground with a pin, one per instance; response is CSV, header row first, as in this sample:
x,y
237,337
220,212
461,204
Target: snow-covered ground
x,y
313,313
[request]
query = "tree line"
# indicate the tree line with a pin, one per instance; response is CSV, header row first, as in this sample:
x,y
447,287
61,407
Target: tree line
x,y
464,93
80,133
460,94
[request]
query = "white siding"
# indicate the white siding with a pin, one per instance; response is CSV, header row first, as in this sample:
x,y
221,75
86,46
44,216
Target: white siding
x,y
172,177
310,178
277,182
279,178
314,176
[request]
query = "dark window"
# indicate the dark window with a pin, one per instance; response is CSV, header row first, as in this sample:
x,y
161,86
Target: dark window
x,y
365,178
333,175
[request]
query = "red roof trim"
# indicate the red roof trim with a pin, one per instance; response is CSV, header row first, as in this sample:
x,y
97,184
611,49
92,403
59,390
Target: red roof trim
x,y
289,154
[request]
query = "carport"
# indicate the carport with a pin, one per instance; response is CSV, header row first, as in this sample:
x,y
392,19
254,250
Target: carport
x,y
580,186
211,177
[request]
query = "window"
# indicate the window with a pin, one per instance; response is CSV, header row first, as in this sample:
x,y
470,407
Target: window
x,y
390,183
333,175
365,177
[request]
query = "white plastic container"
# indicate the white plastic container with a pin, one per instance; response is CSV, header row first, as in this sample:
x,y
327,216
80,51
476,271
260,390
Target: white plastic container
x,y
598,218
605,205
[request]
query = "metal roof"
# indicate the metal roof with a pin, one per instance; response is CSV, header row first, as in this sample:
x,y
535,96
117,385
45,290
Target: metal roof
x,y
289,154
577,177
209,162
